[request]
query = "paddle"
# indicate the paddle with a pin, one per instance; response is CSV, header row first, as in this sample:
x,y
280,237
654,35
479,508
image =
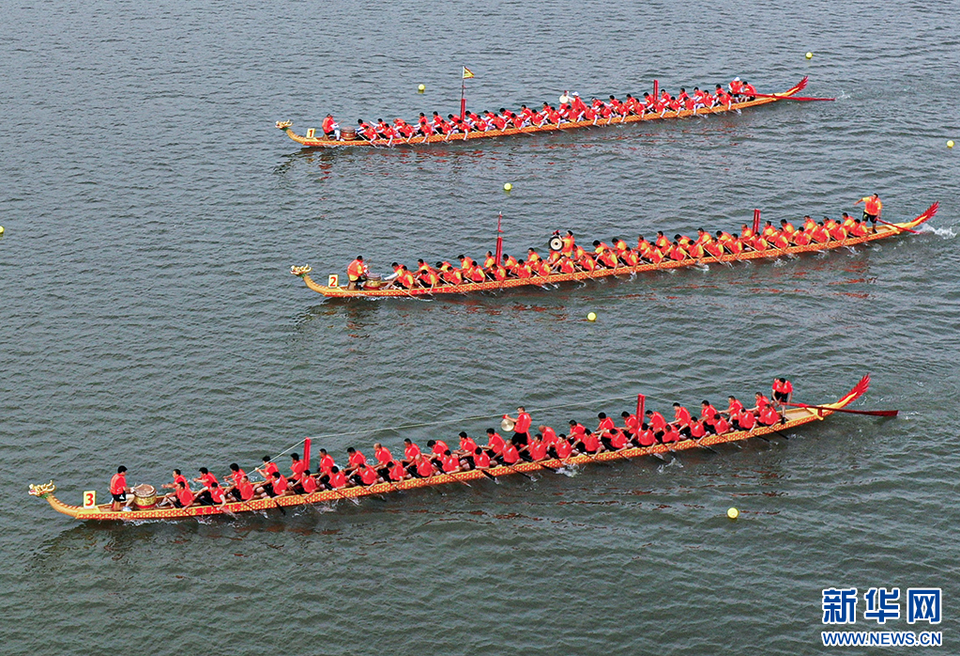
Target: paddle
x,y
800,98
894,225
872,413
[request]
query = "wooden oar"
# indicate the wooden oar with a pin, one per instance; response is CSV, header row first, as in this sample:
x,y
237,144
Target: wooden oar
x,y
894,225
872,413
440,471
800,98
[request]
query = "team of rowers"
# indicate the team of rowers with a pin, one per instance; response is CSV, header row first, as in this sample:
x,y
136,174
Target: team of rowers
x,y
570,257
442,461
570,109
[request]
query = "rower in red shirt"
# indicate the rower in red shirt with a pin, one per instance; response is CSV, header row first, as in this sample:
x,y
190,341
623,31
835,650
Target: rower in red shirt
x,y
605,423
397,472
670,434
510,455
326,463
437,449
355,460
630,424
337,479
748,91
184,497
734,407
119,488
681,419
722,425
423,126
481,459
178,477
296,468
495,443
645,437
743,420
330,127
244,490
467,448
410,451
588,443
536,450
761,403
308,484
769,416
383,458
657,423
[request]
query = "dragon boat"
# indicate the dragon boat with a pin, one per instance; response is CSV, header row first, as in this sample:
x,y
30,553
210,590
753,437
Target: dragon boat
x,y
310,140
334,290
796,415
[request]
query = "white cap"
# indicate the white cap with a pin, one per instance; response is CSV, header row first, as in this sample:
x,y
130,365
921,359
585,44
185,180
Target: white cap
x,y
576,94
736,79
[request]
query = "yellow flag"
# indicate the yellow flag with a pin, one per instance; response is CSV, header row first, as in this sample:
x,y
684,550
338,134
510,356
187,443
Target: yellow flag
x,y
467,73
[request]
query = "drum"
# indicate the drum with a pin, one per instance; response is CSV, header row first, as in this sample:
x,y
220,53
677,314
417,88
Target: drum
x,y
506,425
556,244
348,134
144,496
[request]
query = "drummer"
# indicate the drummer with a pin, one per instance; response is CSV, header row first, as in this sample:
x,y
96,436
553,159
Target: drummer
x,y
357,273
119,488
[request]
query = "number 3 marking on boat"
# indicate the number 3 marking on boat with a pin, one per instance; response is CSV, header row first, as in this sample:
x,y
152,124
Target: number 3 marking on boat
x,y
89,499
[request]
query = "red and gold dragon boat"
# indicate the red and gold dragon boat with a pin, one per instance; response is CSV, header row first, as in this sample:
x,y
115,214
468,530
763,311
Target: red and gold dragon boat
x,y
310,140
334,290
796,415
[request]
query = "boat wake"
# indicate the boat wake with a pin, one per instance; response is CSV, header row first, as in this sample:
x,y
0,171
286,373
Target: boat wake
x,y
946,233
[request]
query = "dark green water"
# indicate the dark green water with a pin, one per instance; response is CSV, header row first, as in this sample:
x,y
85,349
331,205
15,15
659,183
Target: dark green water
x,y
147,316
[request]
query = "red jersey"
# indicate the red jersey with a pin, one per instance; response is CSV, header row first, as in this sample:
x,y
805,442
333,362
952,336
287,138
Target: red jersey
x,y
647,438
411,451
280,484
510,455
606,425
591,442
618,439
235,477
549,436
326,463
657,422
481,459
450,463
682,416
439,447
309,484
246,490
185,496
746,420
208,479
424,467
296,469
467,444
537,450
216,493
367,475
496,443
357,459
383,455
338,480
563,449
118,483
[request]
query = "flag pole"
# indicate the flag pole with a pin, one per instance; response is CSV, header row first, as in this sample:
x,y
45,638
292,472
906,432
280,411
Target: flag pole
x,y
463,99
499,239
